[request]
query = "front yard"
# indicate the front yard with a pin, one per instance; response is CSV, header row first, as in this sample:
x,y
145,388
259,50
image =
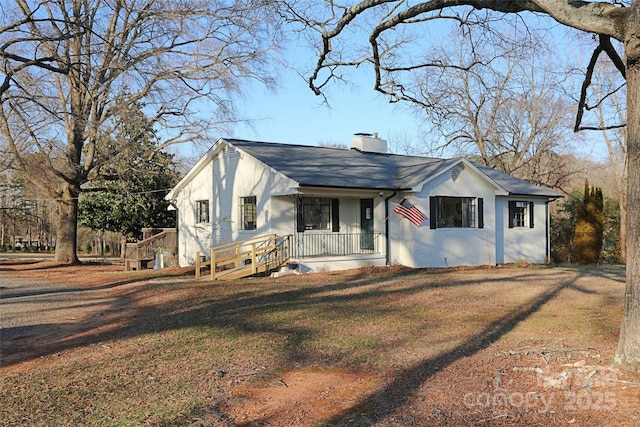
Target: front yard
x,y
386,347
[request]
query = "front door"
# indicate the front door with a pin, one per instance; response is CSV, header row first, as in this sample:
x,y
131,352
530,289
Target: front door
x,y
366,224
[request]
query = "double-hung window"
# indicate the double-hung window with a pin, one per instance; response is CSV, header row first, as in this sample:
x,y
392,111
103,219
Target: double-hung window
x,y
520,214
202,211
456,212
248,213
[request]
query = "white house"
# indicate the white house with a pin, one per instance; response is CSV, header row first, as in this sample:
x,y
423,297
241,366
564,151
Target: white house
x,y
343,207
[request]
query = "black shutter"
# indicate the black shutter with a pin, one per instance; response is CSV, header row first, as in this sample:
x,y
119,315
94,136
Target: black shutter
x,y
335,215
433,212
299,215
530,214
480,212
512,208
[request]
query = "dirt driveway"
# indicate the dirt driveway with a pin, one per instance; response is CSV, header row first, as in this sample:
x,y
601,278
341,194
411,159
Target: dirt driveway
x,y
42,304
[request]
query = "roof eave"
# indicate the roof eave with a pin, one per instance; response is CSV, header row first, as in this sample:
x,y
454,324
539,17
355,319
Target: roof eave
x,y
555,196
343,187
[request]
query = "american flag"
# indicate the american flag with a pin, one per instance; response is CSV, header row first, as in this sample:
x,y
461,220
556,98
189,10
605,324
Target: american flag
x,y
410,212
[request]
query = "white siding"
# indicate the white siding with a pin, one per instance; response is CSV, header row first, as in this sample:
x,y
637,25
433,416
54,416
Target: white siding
x,y
495,243
524,243
223,181
282,215
193,236
449,247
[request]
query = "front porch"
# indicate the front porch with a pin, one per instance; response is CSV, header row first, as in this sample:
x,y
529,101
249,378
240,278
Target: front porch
x,y
337,251
308,245
301,252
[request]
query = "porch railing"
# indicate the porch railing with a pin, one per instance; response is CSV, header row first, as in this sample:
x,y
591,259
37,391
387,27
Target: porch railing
x,y
334,244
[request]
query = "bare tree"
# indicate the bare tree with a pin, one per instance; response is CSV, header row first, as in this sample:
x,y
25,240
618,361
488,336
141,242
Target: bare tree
x,y
500,101
69,66
603,111
391,23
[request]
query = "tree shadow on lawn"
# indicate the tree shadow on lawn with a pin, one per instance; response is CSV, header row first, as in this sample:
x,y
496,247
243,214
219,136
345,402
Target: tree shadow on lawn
x,y
239,310
244,312
384,402
616,273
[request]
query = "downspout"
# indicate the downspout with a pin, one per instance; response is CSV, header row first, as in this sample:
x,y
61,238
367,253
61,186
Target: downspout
x,y
386,228
547,229
173,204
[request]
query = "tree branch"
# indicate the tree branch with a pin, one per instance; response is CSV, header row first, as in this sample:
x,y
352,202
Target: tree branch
x,y
604,45
596,17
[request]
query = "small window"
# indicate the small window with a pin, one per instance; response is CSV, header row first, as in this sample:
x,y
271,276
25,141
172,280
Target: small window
x,y
248,213
202,211
520,214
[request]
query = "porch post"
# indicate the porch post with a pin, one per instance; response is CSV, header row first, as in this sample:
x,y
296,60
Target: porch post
x,y
213,265
387,241
197,264
253,258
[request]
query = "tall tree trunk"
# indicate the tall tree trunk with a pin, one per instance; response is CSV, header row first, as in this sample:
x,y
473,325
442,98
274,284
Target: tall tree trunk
x,y
623,213
67,234
628,351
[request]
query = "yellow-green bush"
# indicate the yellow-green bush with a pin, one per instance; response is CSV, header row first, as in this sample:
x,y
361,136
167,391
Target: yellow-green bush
x,y
589,226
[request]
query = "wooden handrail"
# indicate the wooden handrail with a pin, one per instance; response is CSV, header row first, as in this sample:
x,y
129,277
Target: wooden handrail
x,y
136,252
246,257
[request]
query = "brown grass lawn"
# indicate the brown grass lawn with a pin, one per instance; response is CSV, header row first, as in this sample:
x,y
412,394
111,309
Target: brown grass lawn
x,y
384,347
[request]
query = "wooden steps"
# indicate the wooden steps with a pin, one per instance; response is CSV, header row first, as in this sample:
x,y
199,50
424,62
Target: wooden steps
x,y
140,254
244,258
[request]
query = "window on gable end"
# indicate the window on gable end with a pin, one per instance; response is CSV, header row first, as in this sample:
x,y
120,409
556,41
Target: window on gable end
x,y
202,211
456,212
248,213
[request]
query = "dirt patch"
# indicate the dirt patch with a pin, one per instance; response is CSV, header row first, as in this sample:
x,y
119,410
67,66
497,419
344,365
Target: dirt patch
x,y
528,387
301,397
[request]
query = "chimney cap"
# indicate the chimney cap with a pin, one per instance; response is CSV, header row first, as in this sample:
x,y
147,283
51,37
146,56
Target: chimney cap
x,y
370,135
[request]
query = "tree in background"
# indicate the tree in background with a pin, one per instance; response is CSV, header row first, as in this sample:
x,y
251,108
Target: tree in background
x,y
390,25
563,230
136,175
25,217
499,100
604,108
64,62
612,252
589,226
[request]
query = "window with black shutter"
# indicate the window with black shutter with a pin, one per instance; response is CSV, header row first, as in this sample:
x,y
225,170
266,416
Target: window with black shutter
x,y
520,214
456,212
317,213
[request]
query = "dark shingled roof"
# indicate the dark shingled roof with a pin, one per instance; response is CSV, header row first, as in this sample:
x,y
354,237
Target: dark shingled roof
x,y
333,167
513,185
